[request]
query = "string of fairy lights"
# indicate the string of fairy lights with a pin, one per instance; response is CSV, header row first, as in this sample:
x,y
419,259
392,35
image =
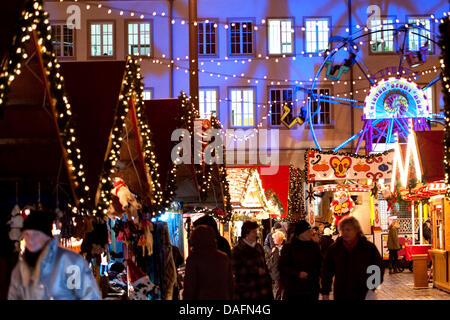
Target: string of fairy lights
x,y
444,43
33,27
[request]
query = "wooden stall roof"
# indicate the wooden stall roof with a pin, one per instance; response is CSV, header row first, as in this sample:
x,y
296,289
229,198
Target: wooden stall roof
x,y
431,154
93,91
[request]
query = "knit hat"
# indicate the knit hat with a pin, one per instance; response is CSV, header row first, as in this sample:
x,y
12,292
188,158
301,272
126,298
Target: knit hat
x,y
40,221
277,225
134,272
301,227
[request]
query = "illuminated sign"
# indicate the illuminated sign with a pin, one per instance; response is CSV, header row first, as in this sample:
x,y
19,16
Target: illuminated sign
x,y
396,98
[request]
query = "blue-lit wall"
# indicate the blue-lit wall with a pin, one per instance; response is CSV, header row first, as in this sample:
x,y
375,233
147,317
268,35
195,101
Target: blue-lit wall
x,y
302,69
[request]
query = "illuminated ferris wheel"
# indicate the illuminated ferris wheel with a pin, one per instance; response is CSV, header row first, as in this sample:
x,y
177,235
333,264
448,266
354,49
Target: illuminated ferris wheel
x,y
394,103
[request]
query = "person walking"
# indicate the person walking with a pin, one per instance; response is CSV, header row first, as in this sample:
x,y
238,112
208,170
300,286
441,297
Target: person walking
x,y
269,243
393,246
300,264
222,243
252,279
46,271
348,260
208,270
326,240
273,263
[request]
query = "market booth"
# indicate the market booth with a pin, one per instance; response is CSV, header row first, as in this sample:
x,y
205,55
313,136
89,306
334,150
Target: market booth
x,y
40,163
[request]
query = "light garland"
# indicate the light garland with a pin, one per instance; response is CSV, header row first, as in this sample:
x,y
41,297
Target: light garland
x,y
444,43
34,27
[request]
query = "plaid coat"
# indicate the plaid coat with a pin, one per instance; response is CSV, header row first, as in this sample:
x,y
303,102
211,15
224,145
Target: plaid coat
x,y
246,261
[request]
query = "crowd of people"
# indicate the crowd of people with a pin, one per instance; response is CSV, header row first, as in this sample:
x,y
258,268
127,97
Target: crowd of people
x,y
297,263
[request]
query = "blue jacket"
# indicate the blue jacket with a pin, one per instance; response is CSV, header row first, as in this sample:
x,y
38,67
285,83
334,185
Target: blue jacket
x,y
60,274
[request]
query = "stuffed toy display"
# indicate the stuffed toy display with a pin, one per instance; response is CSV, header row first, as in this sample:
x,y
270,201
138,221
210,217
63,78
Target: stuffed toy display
x,y
142,287
128,202
341,206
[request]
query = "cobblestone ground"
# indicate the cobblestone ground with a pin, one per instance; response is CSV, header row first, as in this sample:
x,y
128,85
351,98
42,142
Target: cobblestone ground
x,y
400,286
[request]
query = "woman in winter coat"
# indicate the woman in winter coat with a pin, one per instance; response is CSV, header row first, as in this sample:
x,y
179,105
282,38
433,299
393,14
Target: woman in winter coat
x,y
348,260
208,270
252,279
273,263
300,264
394,246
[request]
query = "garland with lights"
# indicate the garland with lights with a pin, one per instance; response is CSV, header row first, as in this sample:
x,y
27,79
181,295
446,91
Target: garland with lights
x,y
296,198
204,172
444,43
33,28
131,100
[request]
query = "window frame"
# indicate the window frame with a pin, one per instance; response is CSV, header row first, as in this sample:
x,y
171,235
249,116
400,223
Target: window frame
x,y
114,39
332,123
394,39
74,30
330,30
216,38
217,98
131,21
230,107
151,89
269,89
292,19
432,28
241,20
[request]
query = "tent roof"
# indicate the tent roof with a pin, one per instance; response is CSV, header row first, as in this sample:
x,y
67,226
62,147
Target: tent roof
x,y
431,154
93,89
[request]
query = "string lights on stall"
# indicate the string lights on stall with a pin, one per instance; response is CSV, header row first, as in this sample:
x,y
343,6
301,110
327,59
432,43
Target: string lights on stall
x,y
132,93
444,43
34,28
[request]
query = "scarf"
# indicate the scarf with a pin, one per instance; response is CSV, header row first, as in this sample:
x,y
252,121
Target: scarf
x,y
250,244
352,245
31,257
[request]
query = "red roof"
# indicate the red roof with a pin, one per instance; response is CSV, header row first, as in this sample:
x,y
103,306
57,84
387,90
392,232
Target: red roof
x,y
431,154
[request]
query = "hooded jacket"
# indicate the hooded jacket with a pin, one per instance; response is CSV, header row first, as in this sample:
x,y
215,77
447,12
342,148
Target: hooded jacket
x,y
350,269
59,274
208,270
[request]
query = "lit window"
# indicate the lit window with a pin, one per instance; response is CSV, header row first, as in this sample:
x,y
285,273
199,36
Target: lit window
x,y
278,98
317,35
102,37
417,37
208,103
63,40
280,36
206,38
242,107
382,36
323,116
241,37
430,99
148,94
139,38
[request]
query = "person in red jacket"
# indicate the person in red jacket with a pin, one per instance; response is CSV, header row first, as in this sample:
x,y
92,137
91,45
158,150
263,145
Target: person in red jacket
x,y
348,260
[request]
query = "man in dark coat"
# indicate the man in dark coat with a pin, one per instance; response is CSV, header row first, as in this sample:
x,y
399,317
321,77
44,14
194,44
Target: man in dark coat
x,y
252,279
222,243
348,260
300,264
208,270
273,262
426,231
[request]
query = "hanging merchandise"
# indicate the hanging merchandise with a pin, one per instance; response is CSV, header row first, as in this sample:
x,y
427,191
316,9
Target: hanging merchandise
x,y
342,206
127,201
15,224
146,239
142,287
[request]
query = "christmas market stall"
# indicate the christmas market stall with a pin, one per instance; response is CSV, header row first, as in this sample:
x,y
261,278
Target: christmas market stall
x,y
249,200
343,184
122,178
40,161
192,185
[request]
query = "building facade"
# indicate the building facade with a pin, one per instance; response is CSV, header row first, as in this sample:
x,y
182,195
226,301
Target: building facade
x,y
255,56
